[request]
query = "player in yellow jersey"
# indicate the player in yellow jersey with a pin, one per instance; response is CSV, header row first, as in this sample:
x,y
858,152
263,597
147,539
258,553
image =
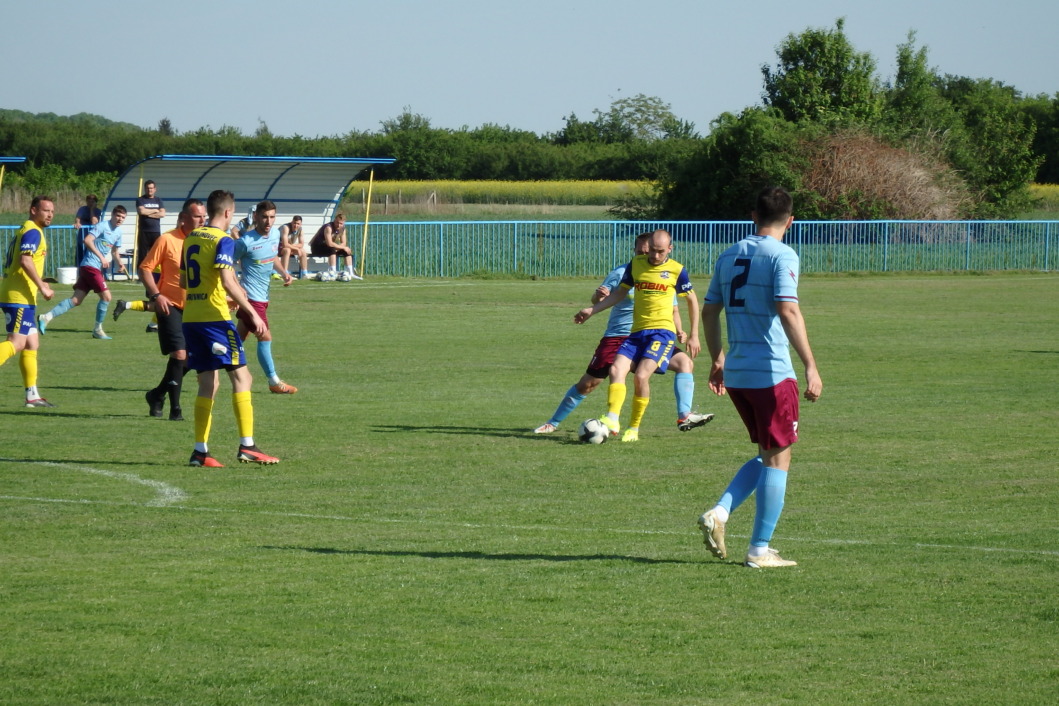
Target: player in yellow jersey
x,y
212,341
23,278
650,345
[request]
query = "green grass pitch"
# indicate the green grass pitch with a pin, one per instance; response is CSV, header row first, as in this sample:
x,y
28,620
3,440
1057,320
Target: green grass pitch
x,y
418,544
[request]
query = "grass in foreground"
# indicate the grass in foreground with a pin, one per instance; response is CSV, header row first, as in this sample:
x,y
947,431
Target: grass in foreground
x,y
418,545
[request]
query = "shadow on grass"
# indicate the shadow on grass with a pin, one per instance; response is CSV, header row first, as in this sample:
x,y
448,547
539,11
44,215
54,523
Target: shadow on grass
x,y
442,429
54,412
92,463
92,388
484,556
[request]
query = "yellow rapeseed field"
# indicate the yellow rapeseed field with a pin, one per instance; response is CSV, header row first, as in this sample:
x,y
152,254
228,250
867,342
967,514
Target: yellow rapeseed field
x,y
562,193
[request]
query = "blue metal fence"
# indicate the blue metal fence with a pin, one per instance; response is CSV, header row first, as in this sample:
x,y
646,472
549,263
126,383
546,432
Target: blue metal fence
x,y
591,248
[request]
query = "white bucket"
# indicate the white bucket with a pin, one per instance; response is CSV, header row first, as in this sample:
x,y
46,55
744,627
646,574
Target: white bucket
x,y
67,275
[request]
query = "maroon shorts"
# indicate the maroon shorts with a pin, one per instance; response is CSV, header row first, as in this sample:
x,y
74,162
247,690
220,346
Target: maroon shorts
x,y
769,413
262,310
599,366
89,279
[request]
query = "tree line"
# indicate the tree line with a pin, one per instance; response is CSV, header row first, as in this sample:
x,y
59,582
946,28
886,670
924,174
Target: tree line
x,y
849,145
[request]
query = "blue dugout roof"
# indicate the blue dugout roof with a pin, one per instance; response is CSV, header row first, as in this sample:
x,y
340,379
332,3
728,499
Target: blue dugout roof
x,y
12,160
307,186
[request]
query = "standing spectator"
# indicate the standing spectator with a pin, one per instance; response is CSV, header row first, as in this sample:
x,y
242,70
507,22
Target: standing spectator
x,y
102,246
23,278
755,283
150,210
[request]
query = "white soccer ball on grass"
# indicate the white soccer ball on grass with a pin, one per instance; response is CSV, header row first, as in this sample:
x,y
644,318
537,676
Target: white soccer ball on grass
x,y
593,431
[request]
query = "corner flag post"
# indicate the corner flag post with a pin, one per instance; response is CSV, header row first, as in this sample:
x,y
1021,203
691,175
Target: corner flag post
x,y
367,217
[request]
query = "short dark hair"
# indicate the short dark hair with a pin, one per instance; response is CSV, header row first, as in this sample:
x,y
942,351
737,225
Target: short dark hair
x,y
265,205
118,209
149,182
217,201
189,203
296,218
37,200
774,205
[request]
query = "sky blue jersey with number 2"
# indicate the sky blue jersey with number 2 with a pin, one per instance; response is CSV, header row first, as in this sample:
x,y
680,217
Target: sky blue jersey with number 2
x,y
750,277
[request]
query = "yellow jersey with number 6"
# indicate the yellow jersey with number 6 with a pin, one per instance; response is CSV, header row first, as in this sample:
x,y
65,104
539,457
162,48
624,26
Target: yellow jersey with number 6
x,y
207,251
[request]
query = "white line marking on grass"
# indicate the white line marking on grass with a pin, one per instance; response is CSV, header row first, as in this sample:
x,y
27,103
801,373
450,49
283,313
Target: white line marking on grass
x,y
538,528
167,494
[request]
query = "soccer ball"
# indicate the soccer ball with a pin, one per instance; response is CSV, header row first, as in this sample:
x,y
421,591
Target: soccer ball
x,y
327,276
593,431
344,277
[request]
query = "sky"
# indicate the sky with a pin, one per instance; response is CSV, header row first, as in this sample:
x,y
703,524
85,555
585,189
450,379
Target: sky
x,y
328,67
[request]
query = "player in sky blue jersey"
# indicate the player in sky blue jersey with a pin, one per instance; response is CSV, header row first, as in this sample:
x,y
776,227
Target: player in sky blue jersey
x,y
755,283
257,252
102,246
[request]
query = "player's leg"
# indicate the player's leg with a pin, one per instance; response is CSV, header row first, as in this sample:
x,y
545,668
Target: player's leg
x,y
619,370
683,368
18,325
27,365
303,262
641,397
598,368
208,381
243,407
101,314
61,308
776,410
171,343
570,401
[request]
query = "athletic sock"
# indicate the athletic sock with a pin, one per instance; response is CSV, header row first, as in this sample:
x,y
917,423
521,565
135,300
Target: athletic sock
x,y
59,309
27,363
203,421
639,406
32,393
244,413
684,390
615,399
771,489
264,357
101,313
7,351
741,486
174,381
569,403
135,305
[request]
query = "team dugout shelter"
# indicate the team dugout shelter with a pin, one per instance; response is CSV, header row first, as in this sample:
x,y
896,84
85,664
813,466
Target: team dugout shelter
x,y
310,187
4,161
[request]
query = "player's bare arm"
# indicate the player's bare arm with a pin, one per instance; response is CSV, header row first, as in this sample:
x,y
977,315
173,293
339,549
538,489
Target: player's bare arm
x,y
711,327
31,271
693,344
794,326
605,303
115,256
